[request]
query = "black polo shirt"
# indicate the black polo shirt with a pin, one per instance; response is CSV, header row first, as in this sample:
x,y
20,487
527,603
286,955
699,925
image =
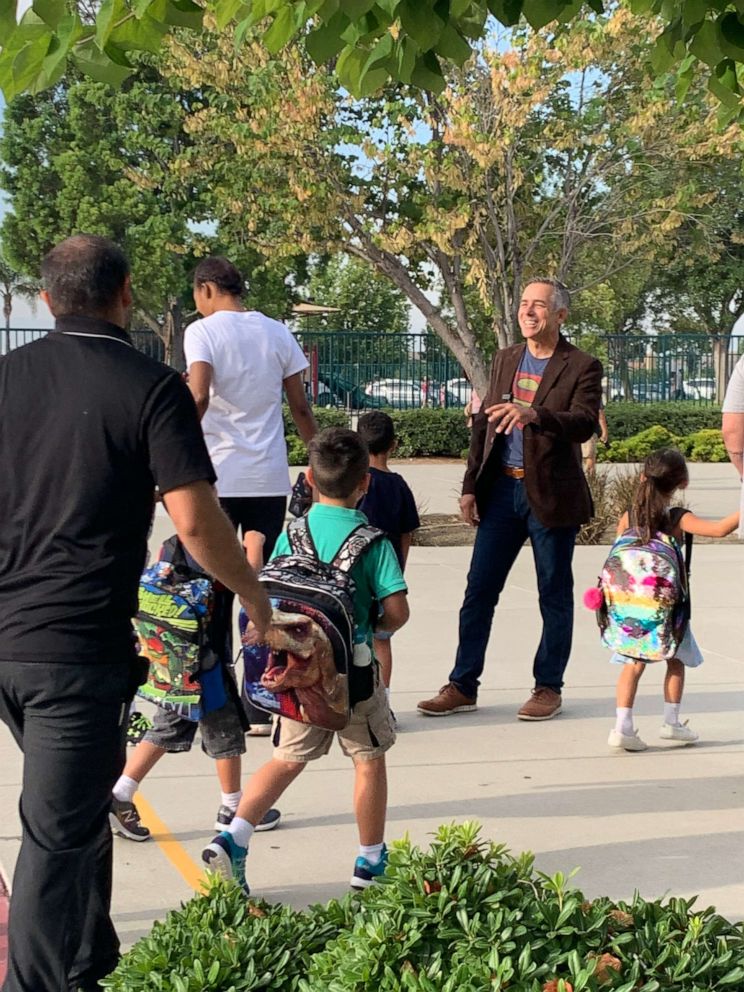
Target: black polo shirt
x,y
88,427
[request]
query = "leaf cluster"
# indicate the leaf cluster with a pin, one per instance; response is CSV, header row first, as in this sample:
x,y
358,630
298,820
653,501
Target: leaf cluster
x,y
371,42
463,916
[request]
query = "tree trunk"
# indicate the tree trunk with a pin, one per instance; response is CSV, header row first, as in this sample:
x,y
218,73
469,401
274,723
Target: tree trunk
x,y
173,331
7,309
722,364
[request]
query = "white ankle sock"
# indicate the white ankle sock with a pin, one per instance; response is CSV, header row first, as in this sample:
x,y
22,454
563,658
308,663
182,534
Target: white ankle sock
x,y
372,852
125,789
231,800
671,714
624,720
241,830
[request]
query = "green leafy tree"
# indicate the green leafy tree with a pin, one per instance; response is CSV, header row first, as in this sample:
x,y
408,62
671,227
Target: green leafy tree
x,y
557,155
366,300
83,157
369,41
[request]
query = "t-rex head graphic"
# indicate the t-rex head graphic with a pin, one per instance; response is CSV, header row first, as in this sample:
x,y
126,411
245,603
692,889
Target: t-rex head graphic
x,y
301,654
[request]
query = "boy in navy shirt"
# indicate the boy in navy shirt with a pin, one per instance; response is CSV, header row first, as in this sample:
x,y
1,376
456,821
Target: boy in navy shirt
x,y
389,505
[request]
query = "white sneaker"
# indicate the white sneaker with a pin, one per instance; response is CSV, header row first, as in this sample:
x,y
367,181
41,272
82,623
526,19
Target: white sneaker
x,y
680,732
626,742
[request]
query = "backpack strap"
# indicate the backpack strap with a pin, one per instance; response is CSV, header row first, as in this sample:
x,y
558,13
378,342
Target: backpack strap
x,y
354,546
675,515
300,539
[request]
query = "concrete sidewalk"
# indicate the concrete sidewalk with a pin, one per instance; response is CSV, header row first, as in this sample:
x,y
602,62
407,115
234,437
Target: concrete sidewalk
x,y
666,821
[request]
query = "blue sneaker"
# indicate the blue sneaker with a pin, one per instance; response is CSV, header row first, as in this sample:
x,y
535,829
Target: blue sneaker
x,y
366,874
227,858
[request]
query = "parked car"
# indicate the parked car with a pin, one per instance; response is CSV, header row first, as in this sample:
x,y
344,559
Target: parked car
x,y
401,394
458,392
699,389
336,391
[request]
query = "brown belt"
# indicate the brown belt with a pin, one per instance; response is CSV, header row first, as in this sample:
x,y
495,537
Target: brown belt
x,y
512,472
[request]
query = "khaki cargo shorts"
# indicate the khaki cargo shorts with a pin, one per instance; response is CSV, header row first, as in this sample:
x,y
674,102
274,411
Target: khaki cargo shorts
x,y
368,735
589,448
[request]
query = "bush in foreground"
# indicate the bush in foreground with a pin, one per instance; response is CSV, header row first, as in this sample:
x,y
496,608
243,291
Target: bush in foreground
x,y
464,916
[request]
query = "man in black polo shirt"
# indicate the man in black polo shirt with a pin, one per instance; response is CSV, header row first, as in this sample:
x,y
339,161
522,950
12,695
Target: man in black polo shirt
x,y
88,428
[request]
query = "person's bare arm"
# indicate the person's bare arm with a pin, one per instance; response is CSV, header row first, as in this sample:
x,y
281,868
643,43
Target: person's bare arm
x,y
405,546
395,612
199,382
691,524
300,408
605,434
733,438
210,538
623,524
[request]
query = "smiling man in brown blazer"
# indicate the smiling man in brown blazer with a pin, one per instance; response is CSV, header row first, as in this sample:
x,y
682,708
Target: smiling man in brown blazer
x,y
524,479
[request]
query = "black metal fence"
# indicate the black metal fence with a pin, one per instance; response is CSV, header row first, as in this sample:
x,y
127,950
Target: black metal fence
x,y
144,340
363,369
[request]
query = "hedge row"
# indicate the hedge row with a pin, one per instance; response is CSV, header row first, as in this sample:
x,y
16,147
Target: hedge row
x,y
702,446
627,419
464,916
441,433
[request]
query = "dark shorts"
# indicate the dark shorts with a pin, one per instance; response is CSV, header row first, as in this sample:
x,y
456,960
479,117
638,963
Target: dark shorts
x,y
222,730
262,513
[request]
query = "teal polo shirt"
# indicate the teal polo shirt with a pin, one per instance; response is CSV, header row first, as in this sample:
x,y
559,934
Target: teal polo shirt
x,y
377,574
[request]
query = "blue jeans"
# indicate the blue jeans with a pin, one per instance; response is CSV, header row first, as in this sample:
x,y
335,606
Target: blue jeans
x,y
505,525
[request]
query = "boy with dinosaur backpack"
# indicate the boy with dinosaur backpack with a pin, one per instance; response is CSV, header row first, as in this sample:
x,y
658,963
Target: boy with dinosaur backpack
x,y
336,533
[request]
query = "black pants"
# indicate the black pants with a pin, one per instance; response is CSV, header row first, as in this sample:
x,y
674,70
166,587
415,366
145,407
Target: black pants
x,y
69,720
265,514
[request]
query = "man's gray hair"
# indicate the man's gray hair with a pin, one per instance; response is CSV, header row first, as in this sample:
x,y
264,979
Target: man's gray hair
x,y
561,295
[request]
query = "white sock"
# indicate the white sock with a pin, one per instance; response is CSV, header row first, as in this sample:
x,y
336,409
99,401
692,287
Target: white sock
x,y
241,830
624,720
372,852
671,714
231,800
125,789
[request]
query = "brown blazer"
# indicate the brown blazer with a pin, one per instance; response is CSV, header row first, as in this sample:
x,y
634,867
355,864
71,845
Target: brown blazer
x,y
567,404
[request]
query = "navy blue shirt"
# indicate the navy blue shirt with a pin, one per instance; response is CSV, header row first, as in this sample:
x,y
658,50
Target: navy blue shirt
x,y
389,505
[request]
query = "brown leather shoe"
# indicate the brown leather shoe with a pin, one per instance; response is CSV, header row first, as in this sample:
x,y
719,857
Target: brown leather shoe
x,y
448,700
543,704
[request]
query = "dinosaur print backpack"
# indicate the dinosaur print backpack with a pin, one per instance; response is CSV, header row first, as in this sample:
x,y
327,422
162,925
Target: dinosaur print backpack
x,y
302,671
645,602
172,625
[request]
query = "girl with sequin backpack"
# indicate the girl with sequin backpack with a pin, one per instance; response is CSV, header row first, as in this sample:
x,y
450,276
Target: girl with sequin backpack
x,y
642,600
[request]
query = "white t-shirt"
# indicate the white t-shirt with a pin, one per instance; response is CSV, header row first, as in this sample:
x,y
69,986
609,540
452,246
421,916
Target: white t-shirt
x,y
734,400
251,356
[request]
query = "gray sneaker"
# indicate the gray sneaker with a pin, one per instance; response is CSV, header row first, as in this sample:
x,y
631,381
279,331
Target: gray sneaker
x,y
225,816
125,821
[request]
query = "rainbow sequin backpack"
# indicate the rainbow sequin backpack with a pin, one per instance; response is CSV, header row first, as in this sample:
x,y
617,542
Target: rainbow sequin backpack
x,y
644,608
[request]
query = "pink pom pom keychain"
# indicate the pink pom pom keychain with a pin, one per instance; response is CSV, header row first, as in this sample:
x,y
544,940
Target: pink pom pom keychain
x,y
593,598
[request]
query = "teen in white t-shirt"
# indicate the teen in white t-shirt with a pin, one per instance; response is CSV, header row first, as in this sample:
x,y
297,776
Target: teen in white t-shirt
x,y
251,357
240,362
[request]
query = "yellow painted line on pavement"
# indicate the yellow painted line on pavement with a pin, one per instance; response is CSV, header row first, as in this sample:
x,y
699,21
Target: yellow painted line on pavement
x,y
174,851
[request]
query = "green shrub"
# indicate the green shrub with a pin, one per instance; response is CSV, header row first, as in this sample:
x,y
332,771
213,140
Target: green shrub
x,y
219,941
464,916
704,446
324,416
430,433
626,419
638,447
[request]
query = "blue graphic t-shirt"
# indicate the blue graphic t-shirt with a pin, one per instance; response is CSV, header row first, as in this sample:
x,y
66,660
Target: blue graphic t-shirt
x,y
526,382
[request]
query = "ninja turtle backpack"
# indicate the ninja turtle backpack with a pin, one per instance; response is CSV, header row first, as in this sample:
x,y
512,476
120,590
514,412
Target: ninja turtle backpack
x,y
645,605
302,672
176,601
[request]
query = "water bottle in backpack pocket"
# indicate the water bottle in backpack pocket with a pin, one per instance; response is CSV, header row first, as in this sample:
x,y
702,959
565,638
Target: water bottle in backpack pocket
x,y
644,601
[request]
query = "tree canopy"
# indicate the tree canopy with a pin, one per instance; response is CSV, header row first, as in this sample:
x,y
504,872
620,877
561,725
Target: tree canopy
x,y
557,153
369,42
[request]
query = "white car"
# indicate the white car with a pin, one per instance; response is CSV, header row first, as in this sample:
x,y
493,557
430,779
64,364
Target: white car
x,y
400,394
459,392
700,389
